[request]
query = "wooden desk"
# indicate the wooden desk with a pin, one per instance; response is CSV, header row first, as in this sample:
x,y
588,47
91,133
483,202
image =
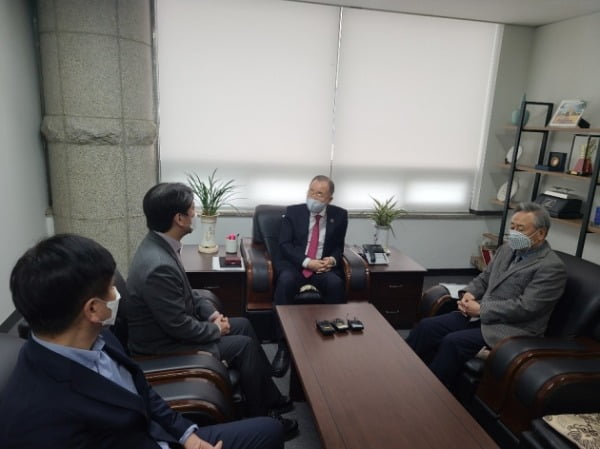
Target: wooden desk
x,y
369,390
396,288
229,286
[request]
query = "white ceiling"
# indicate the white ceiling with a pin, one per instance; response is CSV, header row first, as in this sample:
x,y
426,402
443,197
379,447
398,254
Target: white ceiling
x,y
517,12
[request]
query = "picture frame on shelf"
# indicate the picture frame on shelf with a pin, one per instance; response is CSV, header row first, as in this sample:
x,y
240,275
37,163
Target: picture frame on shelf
x,y
583,150
568,114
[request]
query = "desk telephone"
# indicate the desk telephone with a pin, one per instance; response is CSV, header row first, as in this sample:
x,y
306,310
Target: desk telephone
x,y
374,254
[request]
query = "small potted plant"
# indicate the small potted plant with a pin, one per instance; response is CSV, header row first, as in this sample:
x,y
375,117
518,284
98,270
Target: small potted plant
x,y
383,214
212,194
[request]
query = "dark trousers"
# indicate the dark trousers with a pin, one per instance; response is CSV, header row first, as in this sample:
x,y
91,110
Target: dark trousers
x,y
242,351
330,285
445,343
254,433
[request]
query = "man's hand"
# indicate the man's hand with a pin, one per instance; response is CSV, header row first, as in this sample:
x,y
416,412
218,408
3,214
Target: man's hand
x,y
319,265
195,442
468,305
223,322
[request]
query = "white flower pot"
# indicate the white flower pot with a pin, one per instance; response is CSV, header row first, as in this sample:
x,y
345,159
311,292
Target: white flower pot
x,y
209,226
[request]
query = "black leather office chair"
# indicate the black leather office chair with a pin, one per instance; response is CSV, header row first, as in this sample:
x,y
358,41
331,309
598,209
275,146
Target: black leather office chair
x,y
261,251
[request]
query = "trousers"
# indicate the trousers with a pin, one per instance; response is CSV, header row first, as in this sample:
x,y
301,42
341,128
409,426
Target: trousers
x,y
445,343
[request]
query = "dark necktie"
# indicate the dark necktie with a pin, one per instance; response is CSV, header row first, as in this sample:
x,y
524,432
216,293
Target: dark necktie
x,y
313,245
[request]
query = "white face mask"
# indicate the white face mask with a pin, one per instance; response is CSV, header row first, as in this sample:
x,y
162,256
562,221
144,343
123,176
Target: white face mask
x,y
518,241
315,206
113,306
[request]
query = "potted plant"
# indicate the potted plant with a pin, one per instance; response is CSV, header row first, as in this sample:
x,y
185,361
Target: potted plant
x,y
383,214
212,194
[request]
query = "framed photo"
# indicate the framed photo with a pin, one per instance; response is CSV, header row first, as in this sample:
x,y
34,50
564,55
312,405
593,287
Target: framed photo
x,y
568,113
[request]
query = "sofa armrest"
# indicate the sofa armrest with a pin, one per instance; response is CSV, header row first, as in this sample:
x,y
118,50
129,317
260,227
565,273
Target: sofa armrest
x,y
433,301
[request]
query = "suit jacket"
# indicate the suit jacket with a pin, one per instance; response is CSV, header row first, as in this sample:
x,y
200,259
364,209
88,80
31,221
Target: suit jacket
x,y
518,299
165,315
52,401
293,236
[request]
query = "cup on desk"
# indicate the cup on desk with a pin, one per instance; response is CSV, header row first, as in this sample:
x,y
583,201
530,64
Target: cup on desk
x,y
231,243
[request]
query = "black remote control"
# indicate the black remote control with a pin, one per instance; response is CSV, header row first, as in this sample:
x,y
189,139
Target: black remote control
x,y
325,327
355,325
340,325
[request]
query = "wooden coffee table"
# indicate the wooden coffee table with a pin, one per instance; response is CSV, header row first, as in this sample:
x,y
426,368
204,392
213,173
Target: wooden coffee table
x,y
369,390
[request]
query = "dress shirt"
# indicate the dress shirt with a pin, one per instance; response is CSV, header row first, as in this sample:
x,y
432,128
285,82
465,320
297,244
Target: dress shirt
x,y
100,362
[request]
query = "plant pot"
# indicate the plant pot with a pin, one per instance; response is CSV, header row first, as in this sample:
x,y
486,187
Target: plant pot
x,y
382,236
209,226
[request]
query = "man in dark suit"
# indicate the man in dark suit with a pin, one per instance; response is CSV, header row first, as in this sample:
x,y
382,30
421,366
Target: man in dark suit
x,y
311,246
515,295
73,385
165,315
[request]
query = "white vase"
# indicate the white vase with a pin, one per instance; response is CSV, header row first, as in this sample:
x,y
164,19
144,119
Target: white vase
x,y
209,226
382,236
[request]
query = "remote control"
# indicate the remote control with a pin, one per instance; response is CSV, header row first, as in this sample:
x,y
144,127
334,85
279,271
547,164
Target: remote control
x,y
340,325
325,327
355,325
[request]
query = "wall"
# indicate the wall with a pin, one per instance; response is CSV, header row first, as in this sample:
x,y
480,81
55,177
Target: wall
x,y
22,168
565,65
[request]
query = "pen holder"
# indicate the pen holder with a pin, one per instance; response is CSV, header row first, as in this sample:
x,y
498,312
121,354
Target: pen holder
x,y
231,245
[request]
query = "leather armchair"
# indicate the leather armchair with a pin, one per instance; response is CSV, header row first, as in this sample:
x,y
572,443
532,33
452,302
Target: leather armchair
x,y
507,398
262,249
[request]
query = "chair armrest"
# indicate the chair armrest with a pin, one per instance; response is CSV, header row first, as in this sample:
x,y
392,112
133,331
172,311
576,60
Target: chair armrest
x,y
182,366
259,275
357,275
508,357
197,399
552,386
432,301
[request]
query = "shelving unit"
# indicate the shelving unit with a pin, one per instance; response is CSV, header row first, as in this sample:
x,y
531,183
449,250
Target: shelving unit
x,y
513,167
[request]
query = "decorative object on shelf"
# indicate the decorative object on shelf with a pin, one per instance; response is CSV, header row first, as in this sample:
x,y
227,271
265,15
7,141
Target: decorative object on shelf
x,y
510,153
597,217
383,214
583,164
569,114
503,190
515,117
212,194
556,162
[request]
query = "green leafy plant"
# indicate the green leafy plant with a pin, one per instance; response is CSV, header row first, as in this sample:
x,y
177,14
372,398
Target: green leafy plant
x,y
385,212
213,193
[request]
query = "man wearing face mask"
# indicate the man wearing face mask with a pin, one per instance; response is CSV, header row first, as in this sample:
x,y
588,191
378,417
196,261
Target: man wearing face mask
x,y
311,244
73,384
514,296
165,315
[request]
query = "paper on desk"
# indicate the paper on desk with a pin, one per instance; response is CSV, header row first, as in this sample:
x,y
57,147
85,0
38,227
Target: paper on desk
x,y
453,288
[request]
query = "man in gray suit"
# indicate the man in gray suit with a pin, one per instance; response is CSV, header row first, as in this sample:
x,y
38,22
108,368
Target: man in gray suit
x,y
515,295
165,315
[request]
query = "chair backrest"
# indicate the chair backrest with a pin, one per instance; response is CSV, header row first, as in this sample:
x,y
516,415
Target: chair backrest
x,y
10,345
266,224
577,313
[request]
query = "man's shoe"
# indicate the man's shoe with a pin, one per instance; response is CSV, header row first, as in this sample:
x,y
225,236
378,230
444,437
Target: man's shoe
x,y
290,426
282,406
281,362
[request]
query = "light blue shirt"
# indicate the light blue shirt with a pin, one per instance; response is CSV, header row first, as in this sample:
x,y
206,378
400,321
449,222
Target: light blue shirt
x,y
100,362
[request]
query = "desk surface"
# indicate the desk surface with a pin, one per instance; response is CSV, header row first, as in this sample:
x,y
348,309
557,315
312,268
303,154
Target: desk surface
x,y
369,390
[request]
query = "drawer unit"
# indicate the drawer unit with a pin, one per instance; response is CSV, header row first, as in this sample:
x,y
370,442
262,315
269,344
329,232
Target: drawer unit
x,y
228,286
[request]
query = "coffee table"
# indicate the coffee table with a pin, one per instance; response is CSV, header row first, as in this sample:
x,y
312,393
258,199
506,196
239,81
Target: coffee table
x,y
368,389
